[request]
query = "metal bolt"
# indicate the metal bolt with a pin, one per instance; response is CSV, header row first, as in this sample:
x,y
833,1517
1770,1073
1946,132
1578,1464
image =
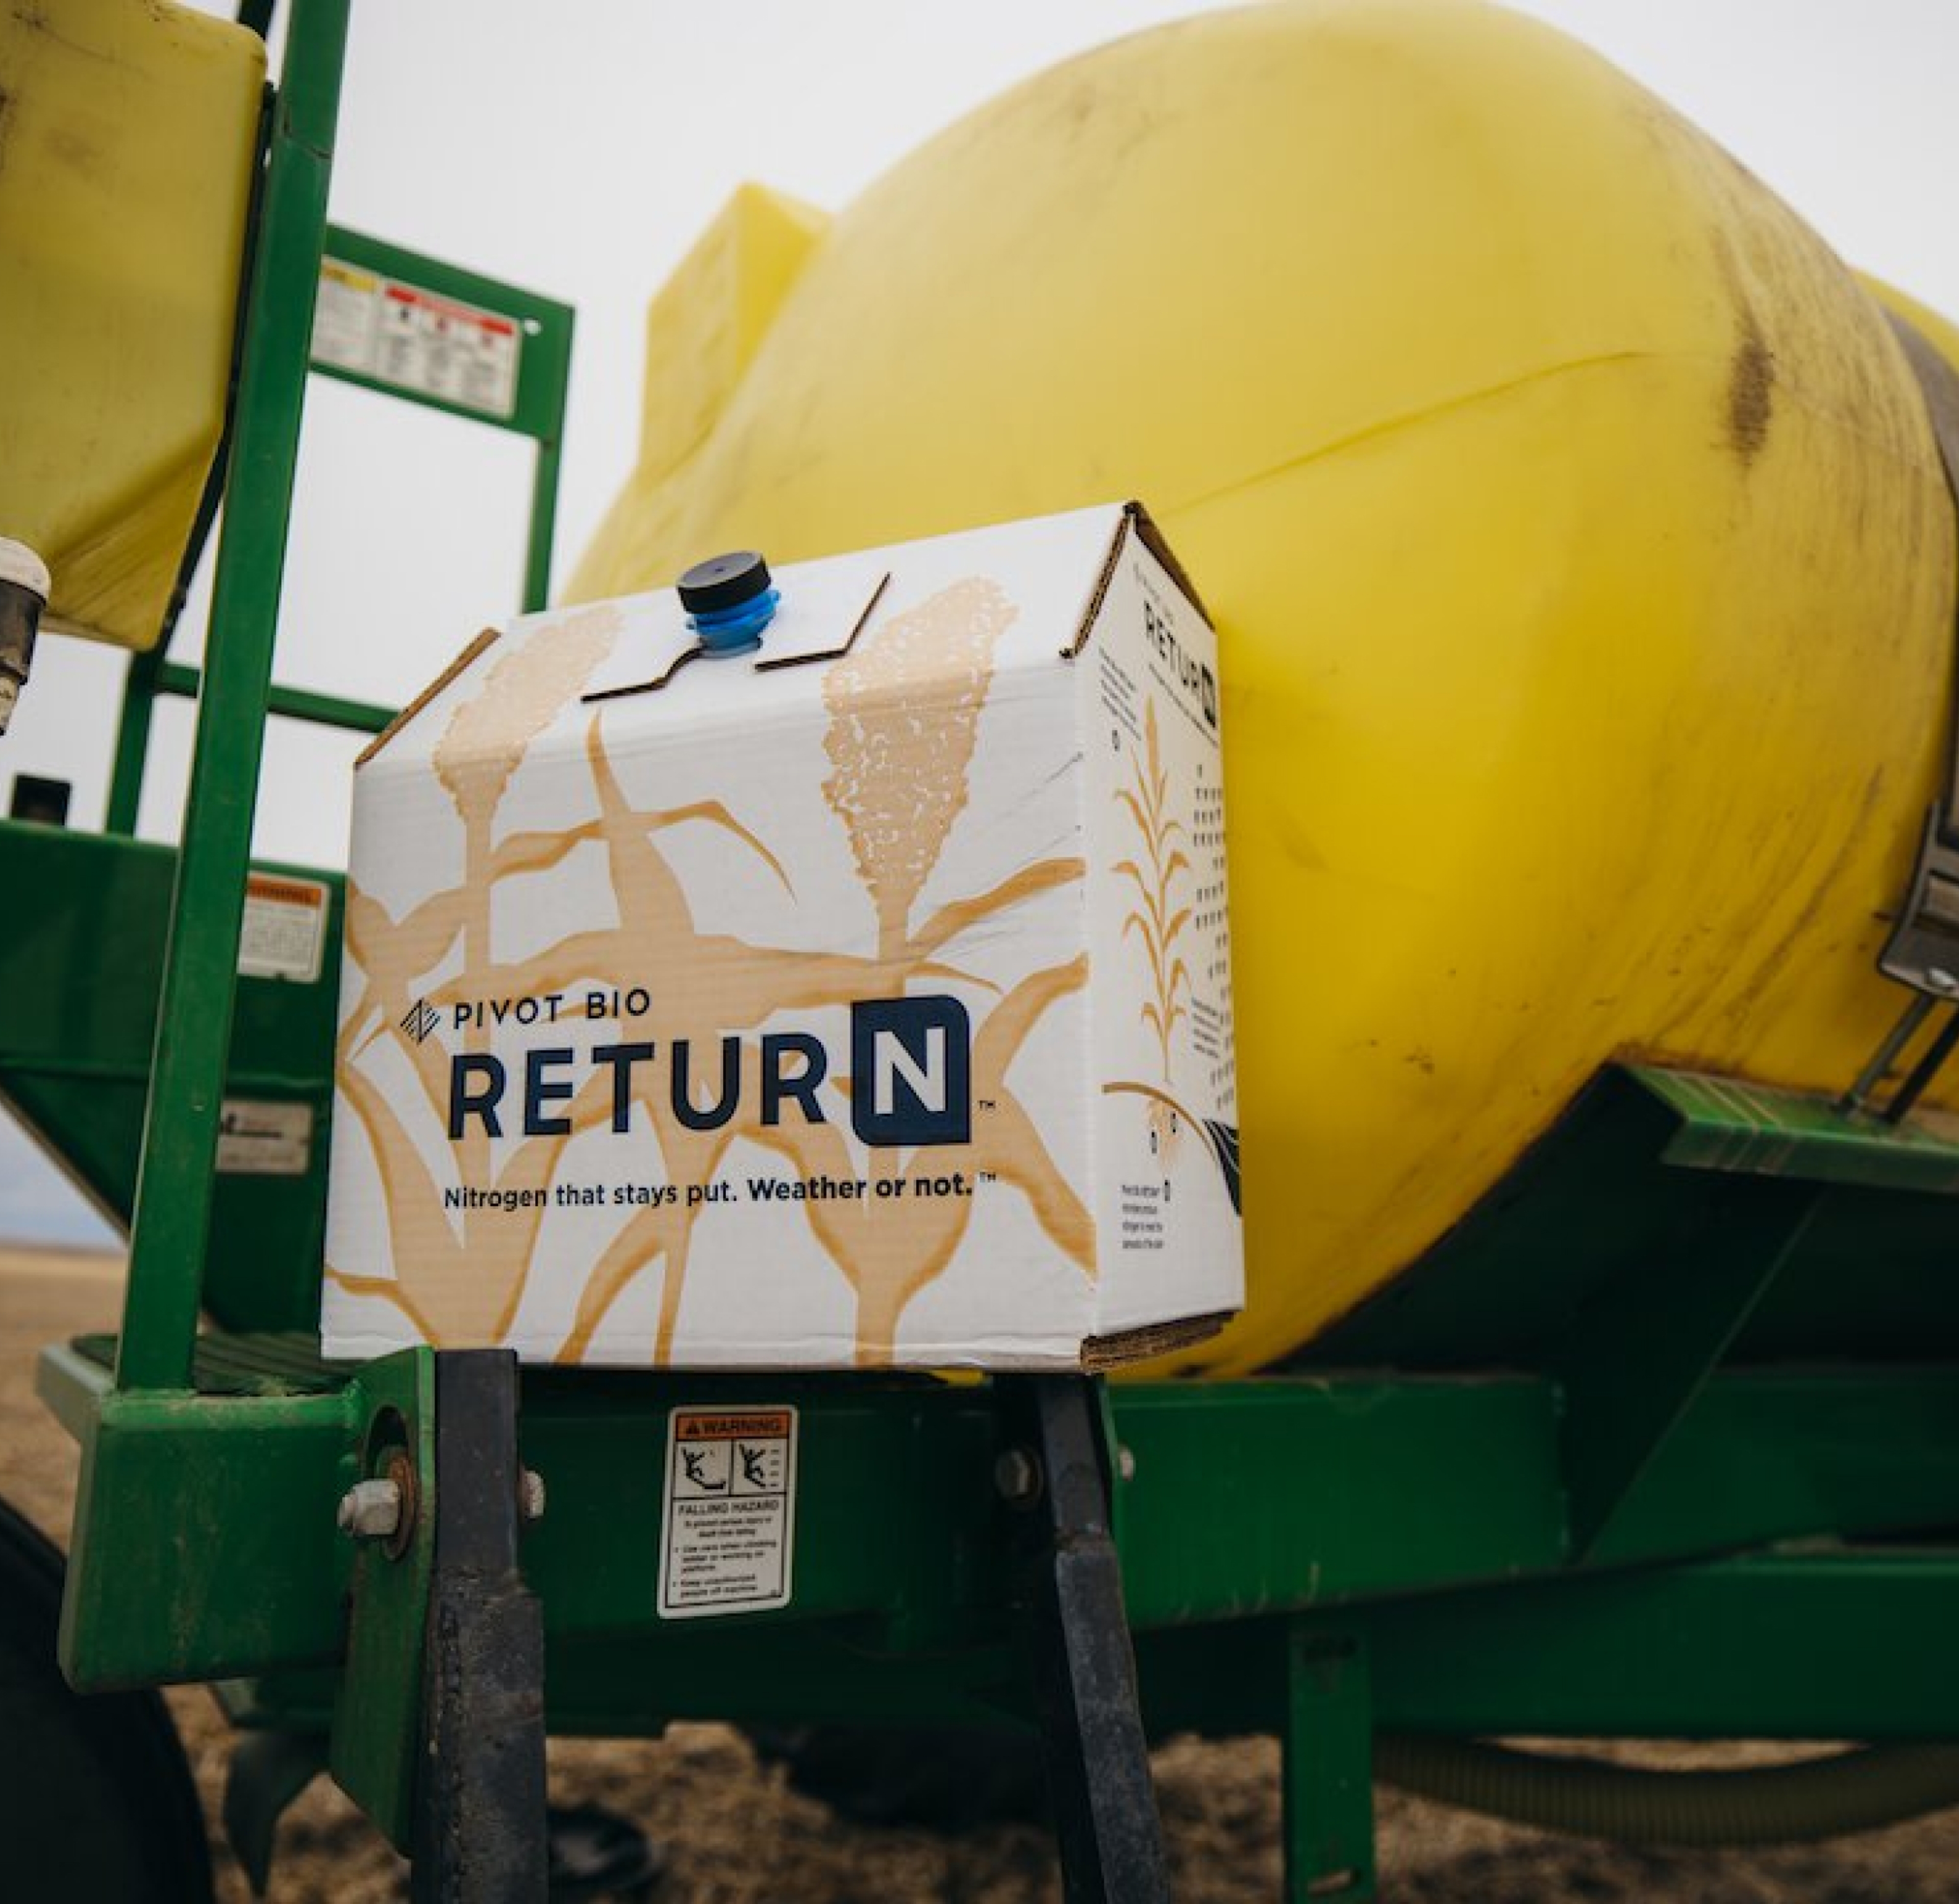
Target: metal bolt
x,y
1017,1478
1126,1463
1939,979
371,1510
531,1494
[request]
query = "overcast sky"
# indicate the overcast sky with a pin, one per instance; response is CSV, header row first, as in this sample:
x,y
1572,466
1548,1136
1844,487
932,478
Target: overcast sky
x,y
579,149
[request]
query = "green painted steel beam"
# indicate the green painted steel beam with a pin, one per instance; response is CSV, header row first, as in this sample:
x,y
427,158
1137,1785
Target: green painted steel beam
x,y
1604,1199
1828,1645
1260,1497
545,329
75,1055
542,533
1638,1355
173,1215
133,722
204,1544
544,325
294,703
1248,1500
894,1487
1841,1645
1766,1455
1744,1129
1327,1782
377,1734
834,1672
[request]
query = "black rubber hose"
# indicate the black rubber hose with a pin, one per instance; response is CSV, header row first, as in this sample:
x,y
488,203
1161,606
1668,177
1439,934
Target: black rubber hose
x,y
1828,1796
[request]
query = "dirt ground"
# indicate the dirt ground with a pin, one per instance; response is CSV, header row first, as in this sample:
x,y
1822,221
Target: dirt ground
x,y
738,1834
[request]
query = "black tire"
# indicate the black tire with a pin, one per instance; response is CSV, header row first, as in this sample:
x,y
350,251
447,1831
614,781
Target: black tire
x,y
96,1805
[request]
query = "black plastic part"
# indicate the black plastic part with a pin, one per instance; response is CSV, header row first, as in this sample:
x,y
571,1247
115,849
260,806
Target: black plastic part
x,y
480,1832
1070,1603
96,1800
268,1770
724,581
42,801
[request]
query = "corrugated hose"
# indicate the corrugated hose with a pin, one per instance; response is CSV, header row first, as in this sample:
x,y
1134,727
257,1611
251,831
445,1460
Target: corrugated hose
x,y
1859,1789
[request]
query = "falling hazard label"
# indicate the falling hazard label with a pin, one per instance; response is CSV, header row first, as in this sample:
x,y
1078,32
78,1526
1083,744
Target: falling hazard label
x,y
284,932
728,1540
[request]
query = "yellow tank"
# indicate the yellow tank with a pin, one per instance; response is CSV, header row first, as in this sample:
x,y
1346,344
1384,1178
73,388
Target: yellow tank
x,y
128,129
1582,563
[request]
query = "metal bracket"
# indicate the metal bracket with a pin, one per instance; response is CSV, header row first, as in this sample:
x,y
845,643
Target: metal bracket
x,y
1055,1467
480,1834
1329,1760
268,1771
1638,1355
1923,951
377,1709
1936,981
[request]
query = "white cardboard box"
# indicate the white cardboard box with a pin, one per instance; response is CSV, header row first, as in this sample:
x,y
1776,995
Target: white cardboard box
x,y
863,1000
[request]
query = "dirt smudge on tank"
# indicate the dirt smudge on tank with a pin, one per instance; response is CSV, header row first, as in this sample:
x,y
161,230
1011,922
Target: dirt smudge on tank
x,y
1750,394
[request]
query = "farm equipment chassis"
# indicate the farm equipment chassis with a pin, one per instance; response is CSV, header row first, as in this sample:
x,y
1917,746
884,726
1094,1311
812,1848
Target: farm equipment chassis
x,y
1610,1462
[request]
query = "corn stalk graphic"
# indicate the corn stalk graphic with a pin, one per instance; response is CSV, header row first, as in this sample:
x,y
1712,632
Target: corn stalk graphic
x,y
1155,918
904,708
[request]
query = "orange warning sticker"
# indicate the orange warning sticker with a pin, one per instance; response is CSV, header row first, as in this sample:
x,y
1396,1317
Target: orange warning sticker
x,y
728,1541
284,932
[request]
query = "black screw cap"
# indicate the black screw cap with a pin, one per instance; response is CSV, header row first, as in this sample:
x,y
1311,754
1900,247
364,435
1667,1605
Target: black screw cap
x,y
724,581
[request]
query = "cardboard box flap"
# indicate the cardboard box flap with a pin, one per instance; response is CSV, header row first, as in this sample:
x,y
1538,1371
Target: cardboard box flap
x,y
1135,519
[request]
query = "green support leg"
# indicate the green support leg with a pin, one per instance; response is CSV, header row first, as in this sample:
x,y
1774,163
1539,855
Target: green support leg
x,y
1644,1348
377,1715
1329,1774
132,742
544,515
172,1212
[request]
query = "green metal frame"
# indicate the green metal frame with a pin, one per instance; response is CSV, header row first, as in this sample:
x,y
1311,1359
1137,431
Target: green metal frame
x,y
1524,1463
1248,1500
543,388
75,1068
170,1224
172,1212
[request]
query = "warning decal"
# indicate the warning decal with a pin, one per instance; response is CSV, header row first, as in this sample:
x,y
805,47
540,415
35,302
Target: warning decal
x,y
729,1537
259,1137
399,334
284,931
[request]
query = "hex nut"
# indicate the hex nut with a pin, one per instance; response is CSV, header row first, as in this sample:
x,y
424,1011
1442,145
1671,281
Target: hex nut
x,y
1017,1478
371,1510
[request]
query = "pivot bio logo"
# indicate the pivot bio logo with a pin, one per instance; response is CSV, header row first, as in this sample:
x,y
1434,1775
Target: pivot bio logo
x,y
911,1071
420,1019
